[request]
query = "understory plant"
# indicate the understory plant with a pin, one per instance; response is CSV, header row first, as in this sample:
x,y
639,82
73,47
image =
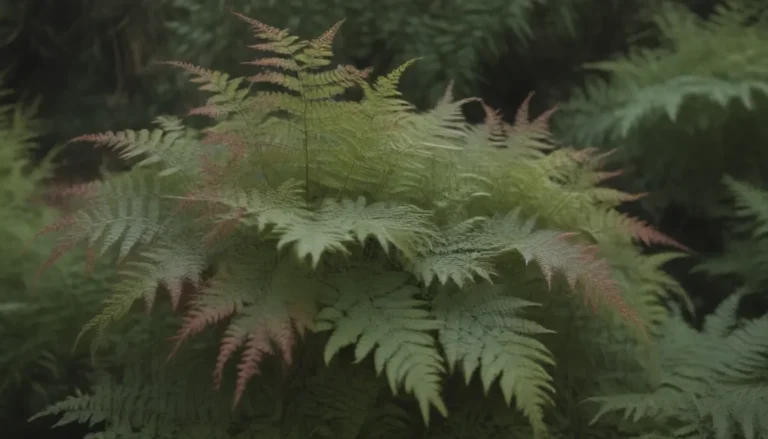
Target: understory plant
x,y
355,268
686,112
713,382
36,324
745,256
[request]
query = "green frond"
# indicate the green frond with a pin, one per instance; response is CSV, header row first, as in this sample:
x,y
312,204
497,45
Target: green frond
x,y
228,95
298,198
167,266
681,105
484,332
746,251
168,145
400,339
712,383
751,203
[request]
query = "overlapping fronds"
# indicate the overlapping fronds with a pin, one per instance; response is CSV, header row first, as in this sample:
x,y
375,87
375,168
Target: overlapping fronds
x,y
298,200
711,383
746,251
689,105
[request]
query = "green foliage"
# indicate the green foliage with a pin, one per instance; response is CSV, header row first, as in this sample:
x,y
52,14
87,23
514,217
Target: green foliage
x,y
35,329
453,39
364,224
746,253
686,112
711,384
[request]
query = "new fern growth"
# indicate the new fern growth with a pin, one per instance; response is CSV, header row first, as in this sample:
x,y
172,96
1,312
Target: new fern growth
x,y
384,227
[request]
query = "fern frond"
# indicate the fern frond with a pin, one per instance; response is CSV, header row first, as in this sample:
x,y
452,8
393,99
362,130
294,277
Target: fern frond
x,y
484,332
168,266
228,95
267,300
750,203
400,339
711,383
470,248
127,210
168,145
682,104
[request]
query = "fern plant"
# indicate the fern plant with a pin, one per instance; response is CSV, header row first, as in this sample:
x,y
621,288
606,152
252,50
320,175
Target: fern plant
x,y
37,363
685,113
711,384
744,258
366,225
455,40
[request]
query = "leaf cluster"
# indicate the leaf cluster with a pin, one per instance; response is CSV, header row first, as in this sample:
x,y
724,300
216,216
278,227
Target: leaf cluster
x,y
401,237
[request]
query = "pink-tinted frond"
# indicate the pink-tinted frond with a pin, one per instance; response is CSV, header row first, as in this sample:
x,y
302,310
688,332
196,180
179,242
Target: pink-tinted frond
x,y
229,344
199,318
257,345
225,227
63,247
326,39
282,63
283,334
210,110
259,28
270,78
648,235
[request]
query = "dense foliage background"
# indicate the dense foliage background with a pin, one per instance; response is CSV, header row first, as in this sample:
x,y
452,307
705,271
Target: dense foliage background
x,y
679,88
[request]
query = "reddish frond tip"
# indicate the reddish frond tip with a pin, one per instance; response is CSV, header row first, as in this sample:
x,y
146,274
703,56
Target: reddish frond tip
x,y
541,123
648,235
98,138
494,121
197,320
56,226
628,198
522,116
60,250
60,195
284,335
229,345
256,346
326,39
212,111
356,73
258,26
595,160
607,175
175,288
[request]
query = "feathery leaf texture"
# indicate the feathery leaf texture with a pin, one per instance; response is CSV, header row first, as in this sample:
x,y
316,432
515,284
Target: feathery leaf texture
x,y
261,211
713,382
692,104
484,331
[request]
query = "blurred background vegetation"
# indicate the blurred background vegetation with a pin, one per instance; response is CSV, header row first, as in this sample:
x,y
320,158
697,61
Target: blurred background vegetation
x,y
678,87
